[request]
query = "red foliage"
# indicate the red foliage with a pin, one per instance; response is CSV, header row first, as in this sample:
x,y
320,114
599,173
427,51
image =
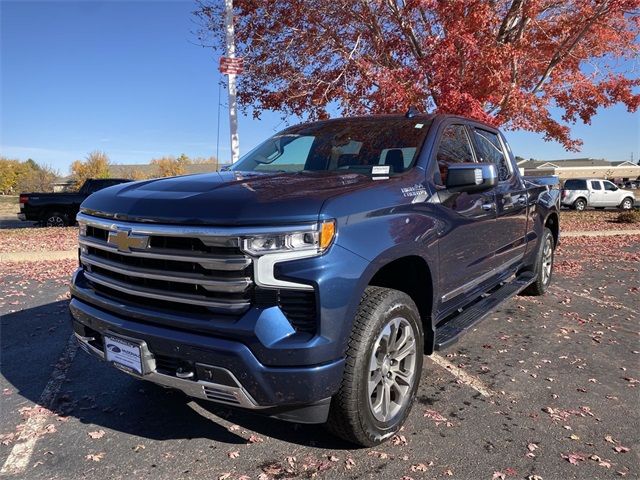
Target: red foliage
x,y
504,61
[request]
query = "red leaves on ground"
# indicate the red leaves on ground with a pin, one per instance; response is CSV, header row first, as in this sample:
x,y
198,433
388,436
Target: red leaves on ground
x,y
38,239
592,220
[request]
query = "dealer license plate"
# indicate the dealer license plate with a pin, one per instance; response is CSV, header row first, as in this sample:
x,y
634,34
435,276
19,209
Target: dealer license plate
x,y
123,354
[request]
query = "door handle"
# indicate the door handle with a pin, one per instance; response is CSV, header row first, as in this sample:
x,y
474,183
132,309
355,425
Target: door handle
x,y
522,200
488,206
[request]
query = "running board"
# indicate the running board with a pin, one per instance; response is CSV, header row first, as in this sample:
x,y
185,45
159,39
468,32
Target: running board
x,y
448,333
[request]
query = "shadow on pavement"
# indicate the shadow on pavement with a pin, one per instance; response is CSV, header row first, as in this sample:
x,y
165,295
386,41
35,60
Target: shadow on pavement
x,y
32,340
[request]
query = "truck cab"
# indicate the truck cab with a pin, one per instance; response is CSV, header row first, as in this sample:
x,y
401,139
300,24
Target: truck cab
x,y
309,280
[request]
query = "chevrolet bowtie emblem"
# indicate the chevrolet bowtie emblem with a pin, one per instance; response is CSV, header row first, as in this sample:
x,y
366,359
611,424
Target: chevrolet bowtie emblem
x,y
125,240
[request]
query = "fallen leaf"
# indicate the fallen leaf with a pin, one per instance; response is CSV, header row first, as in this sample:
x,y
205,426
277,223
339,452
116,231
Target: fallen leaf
x,y
97,434
573,458
96,457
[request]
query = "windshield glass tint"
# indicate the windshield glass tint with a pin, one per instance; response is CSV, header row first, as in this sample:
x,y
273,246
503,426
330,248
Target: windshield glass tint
x,y
354,145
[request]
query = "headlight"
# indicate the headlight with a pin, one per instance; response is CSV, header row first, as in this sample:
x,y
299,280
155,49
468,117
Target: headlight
x,y
316,240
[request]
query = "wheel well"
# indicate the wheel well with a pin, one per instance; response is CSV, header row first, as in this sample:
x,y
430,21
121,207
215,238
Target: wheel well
x,y
412,276
580,198
552,224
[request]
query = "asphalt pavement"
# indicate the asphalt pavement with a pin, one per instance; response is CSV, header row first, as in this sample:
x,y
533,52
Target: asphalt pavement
x,y
545,388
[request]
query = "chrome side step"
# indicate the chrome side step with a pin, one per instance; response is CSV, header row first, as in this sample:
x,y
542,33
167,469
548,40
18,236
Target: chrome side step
x,y
448,333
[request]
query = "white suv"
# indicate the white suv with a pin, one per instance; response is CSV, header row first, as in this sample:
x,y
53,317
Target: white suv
x,y
580,194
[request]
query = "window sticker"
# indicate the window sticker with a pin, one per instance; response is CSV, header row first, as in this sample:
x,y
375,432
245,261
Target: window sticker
x,y
380,170
419,125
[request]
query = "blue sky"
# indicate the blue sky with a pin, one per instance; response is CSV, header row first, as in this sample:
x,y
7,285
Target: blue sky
x,y
128,78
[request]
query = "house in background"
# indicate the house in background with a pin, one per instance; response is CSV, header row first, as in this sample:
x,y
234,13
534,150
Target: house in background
x,y
580,168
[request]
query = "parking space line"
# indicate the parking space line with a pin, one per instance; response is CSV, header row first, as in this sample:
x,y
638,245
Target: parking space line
x,y
593,299
20,455
463,376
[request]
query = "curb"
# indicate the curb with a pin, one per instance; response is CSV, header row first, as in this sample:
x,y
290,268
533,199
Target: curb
x,y
599,233
38,256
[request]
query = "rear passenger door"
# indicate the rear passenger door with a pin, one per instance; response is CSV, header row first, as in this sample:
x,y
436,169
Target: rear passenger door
x,y
465,247
596,194
509,237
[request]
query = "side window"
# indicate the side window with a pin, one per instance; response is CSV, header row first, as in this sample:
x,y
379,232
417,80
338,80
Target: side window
x,y
454,148
490,150
610,186
595,185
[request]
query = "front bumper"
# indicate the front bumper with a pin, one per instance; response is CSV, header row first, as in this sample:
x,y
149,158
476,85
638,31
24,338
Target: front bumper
x,y
224,371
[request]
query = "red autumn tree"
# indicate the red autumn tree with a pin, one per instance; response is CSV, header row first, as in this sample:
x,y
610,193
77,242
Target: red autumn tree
x,y
506,62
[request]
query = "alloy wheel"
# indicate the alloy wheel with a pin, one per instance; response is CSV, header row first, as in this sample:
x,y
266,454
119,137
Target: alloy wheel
x,y
392,370
55,221
547,260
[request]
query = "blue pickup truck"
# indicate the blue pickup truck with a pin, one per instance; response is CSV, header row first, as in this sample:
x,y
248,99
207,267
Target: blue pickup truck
x,y
308,281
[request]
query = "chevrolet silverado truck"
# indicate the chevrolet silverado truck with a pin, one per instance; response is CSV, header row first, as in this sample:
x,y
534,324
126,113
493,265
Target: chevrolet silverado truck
x,y
60,209
308,281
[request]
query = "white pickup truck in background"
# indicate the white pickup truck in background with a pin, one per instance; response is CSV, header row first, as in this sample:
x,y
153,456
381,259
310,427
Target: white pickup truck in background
x,y
579,194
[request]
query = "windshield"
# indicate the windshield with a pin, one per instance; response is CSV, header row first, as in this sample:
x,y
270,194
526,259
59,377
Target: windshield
x,y
350,144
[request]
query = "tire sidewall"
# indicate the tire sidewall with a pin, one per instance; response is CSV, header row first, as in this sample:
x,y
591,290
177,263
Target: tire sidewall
x,y
622,205
546,235
580,205
397,307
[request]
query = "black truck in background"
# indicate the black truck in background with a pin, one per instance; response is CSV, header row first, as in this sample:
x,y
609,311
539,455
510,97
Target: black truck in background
x,y
60,209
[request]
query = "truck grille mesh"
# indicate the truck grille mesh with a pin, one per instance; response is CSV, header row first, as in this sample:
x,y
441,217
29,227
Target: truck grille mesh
x,y
186,273
181,272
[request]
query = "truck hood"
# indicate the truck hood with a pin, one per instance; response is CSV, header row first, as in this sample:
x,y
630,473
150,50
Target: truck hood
x,y
224,198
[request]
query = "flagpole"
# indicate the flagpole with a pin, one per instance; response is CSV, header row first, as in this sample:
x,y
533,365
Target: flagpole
x,y
233,103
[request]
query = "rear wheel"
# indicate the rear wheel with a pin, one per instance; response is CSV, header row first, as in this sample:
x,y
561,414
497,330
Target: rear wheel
x,y
55,219
543,266
627,204
580,204
382,370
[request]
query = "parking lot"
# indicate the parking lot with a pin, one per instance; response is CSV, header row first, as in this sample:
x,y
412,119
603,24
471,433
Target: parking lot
x,y
545,388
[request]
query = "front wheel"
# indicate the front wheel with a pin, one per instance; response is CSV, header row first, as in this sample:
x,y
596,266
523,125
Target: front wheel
x,y
382,369
627,204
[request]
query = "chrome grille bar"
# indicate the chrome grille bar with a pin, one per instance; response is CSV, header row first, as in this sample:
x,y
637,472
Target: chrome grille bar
x,y
210,262
229,306
233,285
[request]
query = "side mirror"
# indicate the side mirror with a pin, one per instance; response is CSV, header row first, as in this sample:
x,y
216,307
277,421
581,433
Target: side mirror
x,y
471,177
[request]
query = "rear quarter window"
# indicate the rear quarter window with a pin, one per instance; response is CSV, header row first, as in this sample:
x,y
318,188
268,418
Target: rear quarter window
x,y
575,185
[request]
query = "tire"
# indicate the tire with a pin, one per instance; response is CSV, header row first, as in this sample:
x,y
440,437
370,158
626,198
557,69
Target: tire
x,y
358,412
580,205
54,219
543,267
627,204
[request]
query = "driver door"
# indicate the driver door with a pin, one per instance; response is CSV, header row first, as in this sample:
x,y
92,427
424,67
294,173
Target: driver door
x,y
466,246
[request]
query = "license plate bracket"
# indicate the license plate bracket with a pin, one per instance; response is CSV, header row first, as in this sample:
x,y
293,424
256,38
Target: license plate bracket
x,y
124,354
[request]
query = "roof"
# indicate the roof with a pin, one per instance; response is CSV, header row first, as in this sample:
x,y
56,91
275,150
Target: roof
x,y
567,162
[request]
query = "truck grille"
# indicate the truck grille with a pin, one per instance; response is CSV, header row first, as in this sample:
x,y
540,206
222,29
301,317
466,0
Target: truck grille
x,y
168,267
